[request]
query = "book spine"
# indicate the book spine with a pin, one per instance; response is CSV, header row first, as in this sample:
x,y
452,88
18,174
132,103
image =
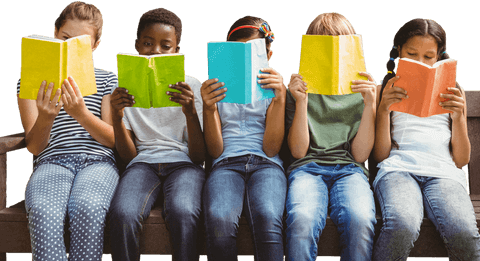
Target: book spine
x,y
250,84
335,65
63,62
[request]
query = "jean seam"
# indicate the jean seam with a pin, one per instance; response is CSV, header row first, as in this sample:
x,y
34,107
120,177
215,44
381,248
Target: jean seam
x,y
148,196
253,224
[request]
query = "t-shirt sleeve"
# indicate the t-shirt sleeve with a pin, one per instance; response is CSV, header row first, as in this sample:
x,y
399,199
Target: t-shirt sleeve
x,y
111,84
18,87
289,111
195,85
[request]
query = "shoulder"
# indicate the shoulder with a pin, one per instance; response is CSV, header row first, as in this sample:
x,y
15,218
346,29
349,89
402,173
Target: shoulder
x,y
101,74
193,82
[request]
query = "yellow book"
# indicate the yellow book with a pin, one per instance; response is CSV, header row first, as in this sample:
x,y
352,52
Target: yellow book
x,y
53,60
329,64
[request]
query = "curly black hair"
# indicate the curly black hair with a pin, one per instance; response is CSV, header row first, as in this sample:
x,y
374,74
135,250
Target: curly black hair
x,y
163,16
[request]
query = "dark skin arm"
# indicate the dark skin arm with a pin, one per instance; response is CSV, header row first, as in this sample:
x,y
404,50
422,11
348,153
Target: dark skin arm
x,y
186,98
124,139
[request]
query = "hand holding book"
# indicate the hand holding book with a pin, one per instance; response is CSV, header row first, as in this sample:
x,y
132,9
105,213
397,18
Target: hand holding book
x,y
185,98
72,99
118,101
48,110
212,93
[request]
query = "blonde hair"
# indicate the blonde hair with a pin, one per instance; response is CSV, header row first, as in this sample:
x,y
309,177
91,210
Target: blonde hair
x,y
83,12
330,24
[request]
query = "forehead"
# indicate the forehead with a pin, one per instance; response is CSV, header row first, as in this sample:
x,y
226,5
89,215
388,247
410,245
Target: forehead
x,y
159,31
421,42
75,27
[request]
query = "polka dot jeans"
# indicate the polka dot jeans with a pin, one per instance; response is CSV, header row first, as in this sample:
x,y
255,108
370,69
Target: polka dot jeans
x,y
81,185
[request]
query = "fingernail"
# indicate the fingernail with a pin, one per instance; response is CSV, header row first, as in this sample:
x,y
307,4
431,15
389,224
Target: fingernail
x,y
216,79
126,91
407,96
223,84
44,82
168,93
133,101
133,97
225,89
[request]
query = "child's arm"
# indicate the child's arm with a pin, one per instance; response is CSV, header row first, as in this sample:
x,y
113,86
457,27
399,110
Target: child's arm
x,y
362,144
383,140
196,142
275,119
38,117
124,139
460,142
298,136
211,119
100,129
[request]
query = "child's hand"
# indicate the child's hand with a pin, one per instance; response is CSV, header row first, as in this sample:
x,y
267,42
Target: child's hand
x,y
118,101
455,102
391,94
210,94
48,108
186,98
272,79
73,102
366,88
298,88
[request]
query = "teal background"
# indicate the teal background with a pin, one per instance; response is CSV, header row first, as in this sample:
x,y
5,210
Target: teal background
x,y
205,21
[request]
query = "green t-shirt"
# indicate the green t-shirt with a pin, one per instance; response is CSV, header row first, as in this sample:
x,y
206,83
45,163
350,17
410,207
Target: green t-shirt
x,y
333,122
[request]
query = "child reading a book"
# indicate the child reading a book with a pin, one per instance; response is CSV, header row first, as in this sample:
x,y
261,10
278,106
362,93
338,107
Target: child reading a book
x,y
163,147
72,140
247,173
330,137
421,158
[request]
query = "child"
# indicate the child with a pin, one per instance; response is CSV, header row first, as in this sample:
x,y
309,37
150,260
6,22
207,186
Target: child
x,y
163,147
75,168
330,136
418,170
247,173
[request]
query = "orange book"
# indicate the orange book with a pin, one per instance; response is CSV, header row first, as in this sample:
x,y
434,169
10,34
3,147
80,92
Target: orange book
x,y
424,84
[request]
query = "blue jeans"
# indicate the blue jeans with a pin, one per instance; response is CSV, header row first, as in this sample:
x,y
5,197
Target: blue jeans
x,y
139,187
80,185
403,197
343,190
256,185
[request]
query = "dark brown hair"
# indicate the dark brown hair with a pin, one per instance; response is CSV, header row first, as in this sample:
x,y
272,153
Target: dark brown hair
x,y
162,16
83,12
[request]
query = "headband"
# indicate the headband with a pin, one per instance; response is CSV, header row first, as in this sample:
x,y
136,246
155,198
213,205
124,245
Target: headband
x,y
264,28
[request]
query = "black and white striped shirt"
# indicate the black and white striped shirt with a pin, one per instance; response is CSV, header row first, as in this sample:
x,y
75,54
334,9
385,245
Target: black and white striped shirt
x,y
68,136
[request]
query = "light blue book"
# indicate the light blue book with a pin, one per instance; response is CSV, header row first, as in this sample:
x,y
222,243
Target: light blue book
x,y
237,64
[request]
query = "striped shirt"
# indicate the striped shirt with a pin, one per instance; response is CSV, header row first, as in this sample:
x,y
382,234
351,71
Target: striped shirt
x,y
68,136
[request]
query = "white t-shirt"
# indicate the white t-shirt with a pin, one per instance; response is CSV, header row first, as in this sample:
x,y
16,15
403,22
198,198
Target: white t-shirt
x,y
423,148
161,133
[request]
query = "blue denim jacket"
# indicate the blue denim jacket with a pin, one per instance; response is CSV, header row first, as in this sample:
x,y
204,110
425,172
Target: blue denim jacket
x,y
243,126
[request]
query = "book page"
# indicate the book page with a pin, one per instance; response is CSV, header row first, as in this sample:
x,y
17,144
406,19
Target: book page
x,y
226,62
317,63
40,61
79,64
259,61
351,62
444,77
166,70
133,75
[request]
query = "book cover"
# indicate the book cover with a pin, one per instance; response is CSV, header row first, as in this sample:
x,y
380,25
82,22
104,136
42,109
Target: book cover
x,y
424,84
237,64
53,60
329,64
147,77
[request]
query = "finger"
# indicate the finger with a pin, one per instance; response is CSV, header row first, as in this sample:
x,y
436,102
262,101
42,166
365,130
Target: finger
x,y
48,94
452,104
396,89
184,85
215,86
216,93
75,86
41,91
59,106
177,95
455,91
68,89
209,82
369,76
181,89
269,80
392,81
68,99
294,76
451,96
57,95
218,98
268,70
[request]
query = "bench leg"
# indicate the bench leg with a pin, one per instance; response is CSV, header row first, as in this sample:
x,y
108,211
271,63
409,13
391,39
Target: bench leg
x,y
3,256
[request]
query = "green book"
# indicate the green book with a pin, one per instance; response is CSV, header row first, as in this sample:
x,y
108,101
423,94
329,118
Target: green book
x,y
147,77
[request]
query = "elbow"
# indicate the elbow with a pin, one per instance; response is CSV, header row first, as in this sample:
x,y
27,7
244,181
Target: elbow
x,y
215,153
33,150
298,154
460,163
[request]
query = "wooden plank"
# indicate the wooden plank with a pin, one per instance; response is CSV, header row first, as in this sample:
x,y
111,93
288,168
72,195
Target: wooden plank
x,y
3,181
15,237
3,256
474,165
12,142
473,102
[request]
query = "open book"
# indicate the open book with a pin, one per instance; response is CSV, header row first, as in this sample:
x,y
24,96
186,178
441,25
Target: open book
x,y
424,84
53,60
147,77
237,64
329,64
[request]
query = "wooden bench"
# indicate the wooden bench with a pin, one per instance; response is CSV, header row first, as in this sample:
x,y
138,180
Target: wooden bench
x,y
14,236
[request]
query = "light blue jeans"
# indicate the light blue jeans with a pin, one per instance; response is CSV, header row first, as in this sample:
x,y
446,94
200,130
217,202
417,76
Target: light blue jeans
x,y
403,197
343,191
79,185
258,187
